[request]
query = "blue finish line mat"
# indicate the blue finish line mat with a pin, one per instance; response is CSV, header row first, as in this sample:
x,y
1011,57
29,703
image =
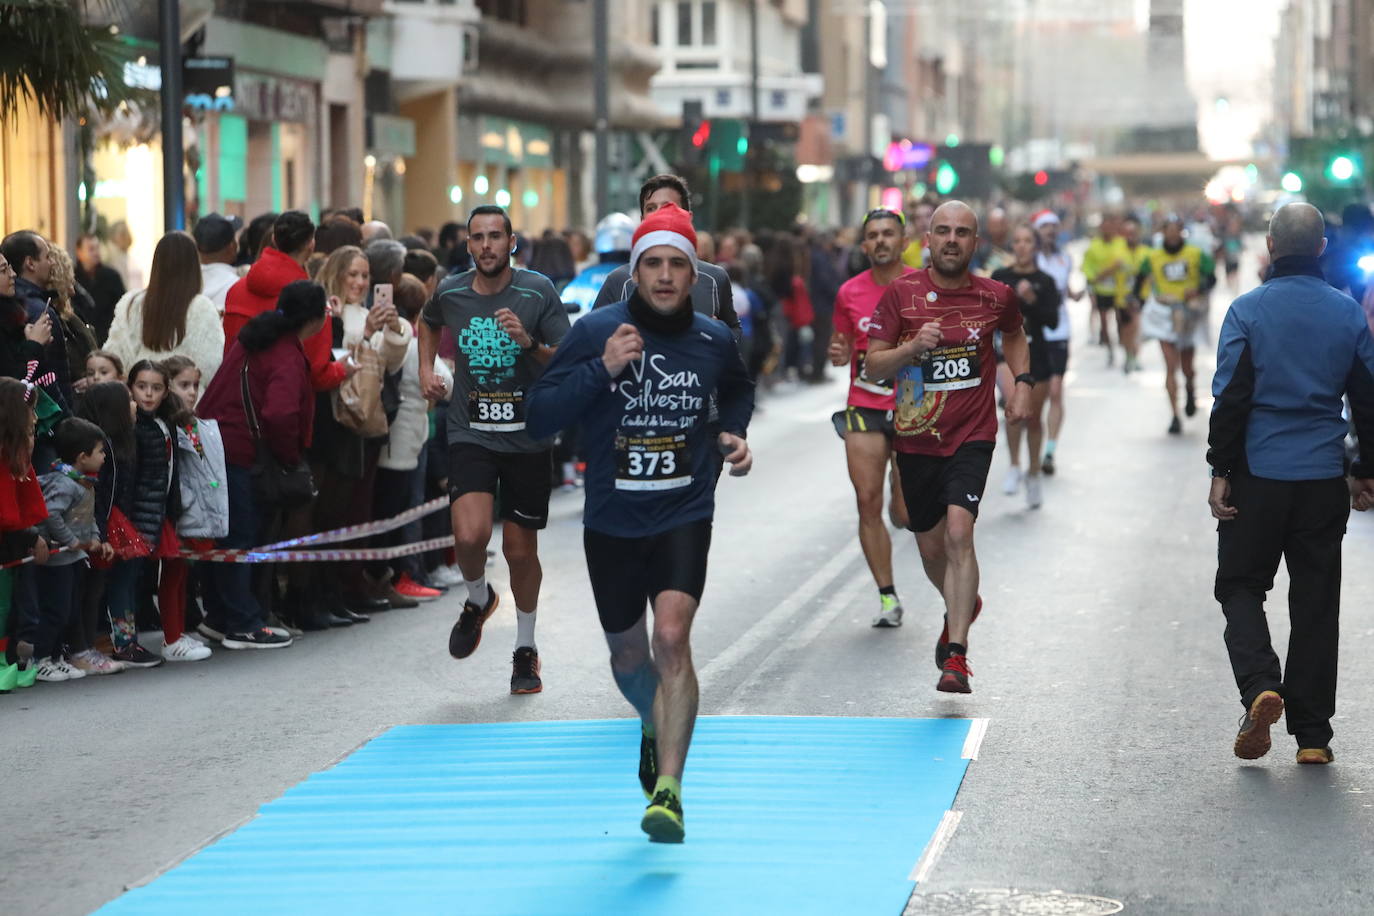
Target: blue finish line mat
x,y
783,815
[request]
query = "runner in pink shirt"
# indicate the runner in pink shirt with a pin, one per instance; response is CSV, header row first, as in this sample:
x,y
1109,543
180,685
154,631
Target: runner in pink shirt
x,y
866,422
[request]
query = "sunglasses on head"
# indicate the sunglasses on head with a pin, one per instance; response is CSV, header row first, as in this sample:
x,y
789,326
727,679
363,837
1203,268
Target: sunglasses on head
x,y
884,213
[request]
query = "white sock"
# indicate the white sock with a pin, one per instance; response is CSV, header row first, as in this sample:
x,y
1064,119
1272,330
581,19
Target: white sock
x,y
478,593
524,629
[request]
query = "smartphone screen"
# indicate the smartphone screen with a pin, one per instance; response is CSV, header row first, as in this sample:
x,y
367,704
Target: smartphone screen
x,y
381,295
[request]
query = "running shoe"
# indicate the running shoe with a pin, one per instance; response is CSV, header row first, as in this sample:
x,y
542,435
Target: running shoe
x,y
889,613
209,632
524,674
1176,427
1035,492
466,634
1047,464
135,656
648,763
942,644
1252,741
1012,482
954,676
262,638
1189,401
411,589
185,649
1317,755
663,818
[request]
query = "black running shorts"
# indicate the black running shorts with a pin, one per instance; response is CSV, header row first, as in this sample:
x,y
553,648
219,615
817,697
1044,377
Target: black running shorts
x,y
863,420
628,573
1105,302
931,484
520,481
1057,358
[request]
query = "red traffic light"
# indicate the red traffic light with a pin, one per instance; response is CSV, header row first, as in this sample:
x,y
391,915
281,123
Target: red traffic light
x,y
702,135
1042,178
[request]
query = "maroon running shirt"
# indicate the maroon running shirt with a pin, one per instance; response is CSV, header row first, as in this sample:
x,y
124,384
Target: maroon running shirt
x,y
951,398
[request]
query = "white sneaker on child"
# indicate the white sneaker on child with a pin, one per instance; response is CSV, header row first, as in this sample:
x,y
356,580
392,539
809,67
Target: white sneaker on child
x,y
72,671
48,670
95,662
186,649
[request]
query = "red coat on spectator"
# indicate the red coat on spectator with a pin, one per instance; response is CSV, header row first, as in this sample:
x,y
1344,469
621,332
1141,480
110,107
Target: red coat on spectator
x,y
279,384
326,373
796,308
258,292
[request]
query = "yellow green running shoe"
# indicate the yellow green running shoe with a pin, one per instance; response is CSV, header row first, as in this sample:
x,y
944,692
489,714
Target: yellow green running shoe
x,y
663,818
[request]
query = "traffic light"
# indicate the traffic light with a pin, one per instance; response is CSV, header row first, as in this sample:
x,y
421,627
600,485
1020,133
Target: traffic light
x,y
1291,182
695,134
729,142
1042,178
1343,167
946,178
965,169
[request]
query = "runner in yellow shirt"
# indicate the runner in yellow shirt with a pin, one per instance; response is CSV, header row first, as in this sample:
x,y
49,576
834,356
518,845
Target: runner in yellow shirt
x,y
1180,276
1104,264
1128,306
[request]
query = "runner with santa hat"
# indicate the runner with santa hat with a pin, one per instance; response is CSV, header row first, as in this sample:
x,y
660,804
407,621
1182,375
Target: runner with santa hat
x,y
639,376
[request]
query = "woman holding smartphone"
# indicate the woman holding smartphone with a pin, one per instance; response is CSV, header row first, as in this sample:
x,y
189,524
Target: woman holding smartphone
x,y
345,464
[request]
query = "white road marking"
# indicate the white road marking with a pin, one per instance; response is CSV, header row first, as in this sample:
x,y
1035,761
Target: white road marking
x,y
977,730
936,847
770,625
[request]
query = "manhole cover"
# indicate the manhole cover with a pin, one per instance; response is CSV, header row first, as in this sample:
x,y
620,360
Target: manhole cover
x,y
1011,902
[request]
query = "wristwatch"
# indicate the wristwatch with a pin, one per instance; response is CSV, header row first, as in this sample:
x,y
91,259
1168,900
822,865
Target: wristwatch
x,y
1220,472
1027,378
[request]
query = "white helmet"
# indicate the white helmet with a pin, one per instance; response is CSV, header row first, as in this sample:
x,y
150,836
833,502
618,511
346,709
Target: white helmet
x,y
615,233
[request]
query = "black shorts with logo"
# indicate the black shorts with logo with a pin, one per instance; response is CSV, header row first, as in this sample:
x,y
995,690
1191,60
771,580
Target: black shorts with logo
x,y
628,573
931,484
863,420
520,481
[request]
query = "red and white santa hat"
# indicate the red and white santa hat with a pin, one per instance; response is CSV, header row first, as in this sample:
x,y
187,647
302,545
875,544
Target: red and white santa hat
x,y
668,225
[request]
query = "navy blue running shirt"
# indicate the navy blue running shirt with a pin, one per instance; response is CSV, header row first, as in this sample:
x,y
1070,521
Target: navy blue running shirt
x,y
651,462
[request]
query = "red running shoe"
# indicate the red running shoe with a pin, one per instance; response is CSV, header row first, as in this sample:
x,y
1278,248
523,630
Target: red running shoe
x,y
942,644
954,676
412,589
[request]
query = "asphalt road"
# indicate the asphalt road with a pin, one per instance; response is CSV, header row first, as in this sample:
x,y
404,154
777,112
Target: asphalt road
x,y
1106,769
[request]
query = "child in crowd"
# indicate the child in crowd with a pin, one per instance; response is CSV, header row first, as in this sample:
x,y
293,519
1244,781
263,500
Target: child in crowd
x,y
21,509
103,366
73,536
110,406
204,508
153,507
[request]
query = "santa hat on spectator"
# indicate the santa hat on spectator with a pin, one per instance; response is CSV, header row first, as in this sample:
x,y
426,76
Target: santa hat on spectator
x,y
668,225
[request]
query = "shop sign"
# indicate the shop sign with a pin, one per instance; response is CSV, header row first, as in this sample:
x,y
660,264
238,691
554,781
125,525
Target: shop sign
x,y
906,156
208,83
502,141
391,135
274,98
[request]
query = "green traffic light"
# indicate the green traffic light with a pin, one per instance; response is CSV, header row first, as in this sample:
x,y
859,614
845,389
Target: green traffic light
x,y
997,156
1342,168
946,179
1291,182
742,145
952,140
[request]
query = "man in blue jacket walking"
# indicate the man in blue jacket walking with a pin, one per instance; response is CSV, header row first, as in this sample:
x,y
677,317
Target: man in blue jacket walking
x,y
1289,351
639,376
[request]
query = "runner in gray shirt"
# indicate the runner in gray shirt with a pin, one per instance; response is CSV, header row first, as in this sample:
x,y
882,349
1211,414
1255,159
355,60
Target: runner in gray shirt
x,y
506,323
